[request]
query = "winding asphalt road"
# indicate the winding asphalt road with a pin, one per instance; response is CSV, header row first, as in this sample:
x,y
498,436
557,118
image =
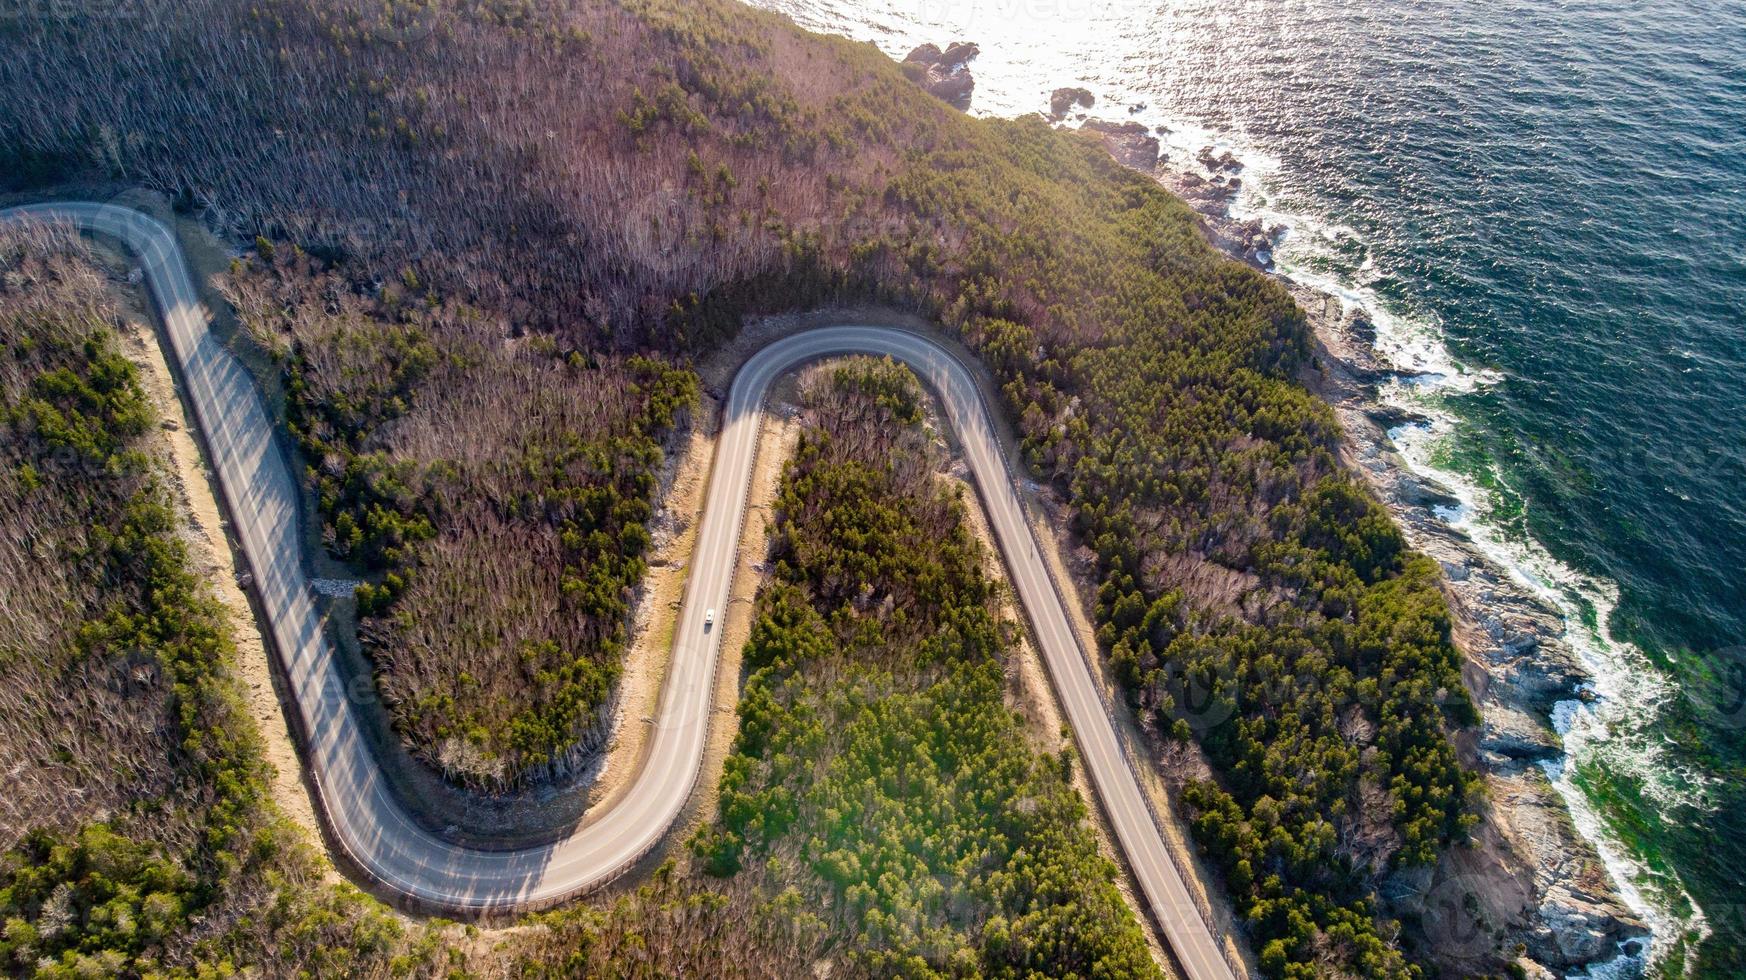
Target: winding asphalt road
x,y
365,818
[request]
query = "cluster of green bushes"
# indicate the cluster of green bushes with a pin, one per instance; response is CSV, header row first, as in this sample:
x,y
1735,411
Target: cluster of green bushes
x,y
203,875
373,510
91,413
885,384
878,770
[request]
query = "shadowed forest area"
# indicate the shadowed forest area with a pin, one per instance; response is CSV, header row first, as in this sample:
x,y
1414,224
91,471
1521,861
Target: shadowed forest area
x,y
492,201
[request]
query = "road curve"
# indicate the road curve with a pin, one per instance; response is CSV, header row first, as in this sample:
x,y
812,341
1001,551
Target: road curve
x,y
363,815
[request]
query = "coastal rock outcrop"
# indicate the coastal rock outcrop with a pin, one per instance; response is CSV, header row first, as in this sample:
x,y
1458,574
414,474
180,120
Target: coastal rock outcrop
x,y
1511,734
1131,143
945,74
1217,162
1062,101
1576,918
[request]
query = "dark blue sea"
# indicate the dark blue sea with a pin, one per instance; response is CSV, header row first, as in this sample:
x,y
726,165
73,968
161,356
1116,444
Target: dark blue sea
x,y
1543,207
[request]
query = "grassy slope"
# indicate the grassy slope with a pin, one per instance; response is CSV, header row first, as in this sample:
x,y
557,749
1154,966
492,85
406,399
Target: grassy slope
x,y
723,162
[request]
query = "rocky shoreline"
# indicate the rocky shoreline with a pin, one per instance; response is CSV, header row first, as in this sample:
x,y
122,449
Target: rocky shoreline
x,y
1532,884
1535,878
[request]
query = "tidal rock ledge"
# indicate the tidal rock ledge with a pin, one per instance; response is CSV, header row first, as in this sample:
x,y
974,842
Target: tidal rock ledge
x,y
1062,101
1131,143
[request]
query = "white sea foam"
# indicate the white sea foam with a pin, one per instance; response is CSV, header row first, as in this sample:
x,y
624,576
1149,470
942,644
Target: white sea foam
x,y
1610,724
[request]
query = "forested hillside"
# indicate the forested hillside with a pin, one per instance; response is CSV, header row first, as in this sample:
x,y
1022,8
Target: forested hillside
x,y
632,178
878,772
138,836
136,832
494,488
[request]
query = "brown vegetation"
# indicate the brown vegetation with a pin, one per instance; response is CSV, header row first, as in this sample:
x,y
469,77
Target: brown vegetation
x,y
574,167
82,736
136,836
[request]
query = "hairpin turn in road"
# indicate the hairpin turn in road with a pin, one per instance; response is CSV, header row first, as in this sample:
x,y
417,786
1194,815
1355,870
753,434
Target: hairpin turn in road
x,y
365,818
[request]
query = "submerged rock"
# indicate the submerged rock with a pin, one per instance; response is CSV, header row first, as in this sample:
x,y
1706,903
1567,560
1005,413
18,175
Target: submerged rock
x,y
1219,162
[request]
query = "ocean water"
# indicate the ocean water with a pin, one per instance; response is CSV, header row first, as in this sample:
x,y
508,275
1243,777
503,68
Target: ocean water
x,y
1542,205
